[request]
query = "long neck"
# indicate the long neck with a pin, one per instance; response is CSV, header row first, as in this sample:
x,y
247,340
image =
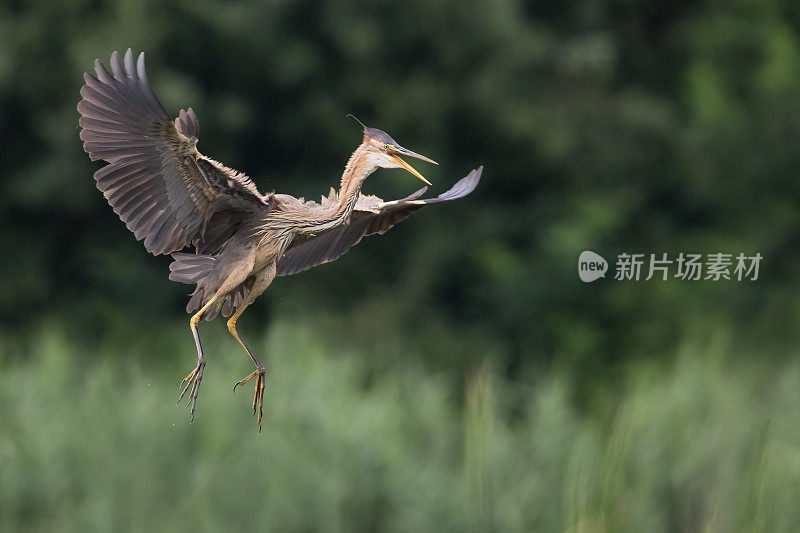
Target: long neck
x,y
356,171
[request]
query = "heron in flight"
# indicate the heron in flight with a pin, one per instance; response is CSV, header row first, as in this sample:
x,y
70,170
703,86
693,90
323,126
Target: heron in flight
x,y
172,197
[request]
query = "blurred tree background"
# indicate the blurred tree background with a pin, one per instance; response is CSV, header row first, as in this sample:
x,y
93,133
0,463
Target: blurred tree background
x,y
518,397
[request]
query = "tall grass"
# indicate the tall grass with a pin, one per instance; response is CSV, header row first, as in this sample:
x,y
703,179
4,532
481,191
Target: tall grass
x,y
93,441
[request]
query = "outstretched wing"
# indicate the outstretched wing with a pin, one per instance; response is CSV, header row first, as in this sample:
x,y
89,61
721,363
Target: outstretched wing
x,y
165,191
371,215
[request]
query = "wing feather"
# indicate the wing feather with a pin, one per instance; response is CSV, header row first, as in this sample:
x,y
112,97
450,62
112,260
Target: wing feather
x,y
371,215
157,182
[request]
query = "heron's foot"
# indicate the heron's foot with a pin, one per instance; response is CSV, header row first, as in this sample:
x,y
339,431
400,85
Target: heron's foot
x,y
193,380
258,399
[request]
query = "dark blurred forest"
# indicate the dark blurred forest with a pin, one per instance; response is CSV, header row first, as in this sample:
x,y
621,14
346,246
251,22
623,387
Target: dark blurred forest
x,y
621,126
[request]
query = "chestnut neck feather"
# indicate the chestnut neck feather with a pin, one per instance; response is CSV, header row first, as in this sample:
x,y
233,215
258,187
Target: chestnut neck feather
x,y
358,168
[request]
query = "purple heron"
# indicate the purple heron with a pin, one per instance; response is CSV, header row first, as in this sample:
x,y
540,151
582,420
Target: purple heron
x,y
171,196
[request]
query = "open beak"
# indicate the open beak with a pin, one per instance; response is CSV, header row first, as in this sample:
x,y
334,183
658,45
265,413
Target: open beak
x,y
395,155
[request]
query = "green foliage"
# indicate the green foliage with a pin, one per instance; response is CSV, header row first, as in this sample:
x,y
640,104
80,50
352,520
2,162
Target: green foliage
x,y
454,374
617,127
93,441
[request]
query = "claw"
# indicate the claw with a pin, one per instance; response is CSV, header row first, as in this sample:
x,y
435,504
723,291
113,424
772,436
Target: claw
x,y
245,380
258,397
192,380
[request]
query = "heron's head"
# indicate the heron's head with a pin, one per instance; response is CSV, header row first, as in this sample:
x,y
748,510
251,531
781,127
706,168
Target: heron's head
x,y
383,151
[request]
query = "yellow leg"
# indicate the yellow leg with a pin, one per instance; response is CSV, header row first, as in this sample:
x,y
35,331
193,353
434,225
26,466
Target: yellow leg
x,y
262,281
198,315
232,329
259,373
196,376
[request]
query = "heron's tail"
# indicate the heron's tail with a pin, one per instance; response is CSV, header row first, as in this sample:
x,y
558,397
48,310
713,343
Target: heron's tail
x,y
191,268
226,305
195,268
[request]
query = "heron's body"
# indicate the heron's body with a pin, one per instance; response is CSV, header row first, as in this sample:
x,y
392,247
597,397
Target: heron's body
x,y
171,196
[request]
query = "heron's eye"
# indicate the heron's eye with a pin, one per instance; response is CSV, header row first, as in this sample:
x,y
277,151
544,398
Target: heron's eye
x,y
387,147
